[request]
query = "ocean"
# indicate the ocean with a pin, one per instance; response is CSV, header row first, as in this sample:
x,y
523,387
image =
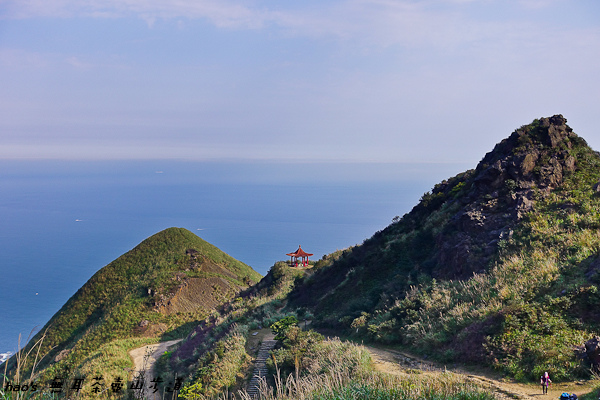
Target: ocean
x,y
61,221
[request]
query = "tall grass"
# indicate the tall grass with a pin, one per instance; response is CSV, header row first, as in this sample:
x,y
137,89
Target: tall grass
x,y
17,379
109,361
345,384
333,369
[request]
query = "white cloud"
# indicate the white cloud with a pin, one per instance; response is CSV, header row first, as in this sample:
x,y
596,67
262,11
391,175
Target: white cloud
x,y
537,4
221,13
372,22
392,69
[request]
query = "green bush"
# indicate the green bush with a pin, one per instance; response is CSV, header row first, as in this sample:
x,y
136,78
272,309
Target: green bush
x,y
296,343
280,327
192,392
534,340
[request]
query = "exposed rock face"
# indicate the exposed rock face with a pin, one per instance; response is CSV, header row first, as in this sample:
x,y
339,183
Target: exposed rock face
x,y
532,157
597,187
592,350
503,188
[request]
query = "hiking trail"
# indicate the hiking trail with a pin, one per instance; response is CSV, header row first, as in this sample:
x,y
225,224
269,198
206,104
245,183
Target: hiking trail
x,y
386,360
398,362
267,342
144,359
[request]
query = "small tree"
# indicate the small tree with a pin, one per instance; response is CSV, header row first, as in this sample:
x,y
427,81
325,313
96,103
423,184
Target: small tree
x,y
192,392
280,327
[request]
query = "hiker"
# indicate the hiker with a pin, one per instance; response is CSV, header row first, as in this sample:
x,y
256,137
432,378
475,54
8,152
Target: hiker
x,y
545,381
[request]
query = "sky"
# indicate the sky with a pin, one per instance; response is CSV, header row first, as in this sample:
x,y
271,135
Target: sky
x,y
330,80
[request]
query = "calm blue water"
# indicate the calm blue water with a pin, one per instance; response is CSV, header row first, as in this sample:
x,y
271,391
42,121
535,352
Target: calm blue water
x,y
62,221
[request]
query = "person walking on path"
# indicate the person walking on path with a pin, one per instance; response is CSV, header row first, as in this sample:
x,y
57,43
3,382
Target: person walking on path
x,y
545,381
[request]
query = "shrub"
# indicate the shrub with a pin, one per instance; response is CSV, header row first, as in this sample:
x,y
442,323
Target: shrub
x,y
192,392
280,327
296,343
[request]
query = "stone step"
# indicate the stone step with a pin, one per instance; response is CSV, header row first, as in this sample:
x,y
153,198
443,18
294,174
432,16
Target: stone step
x,y
260,368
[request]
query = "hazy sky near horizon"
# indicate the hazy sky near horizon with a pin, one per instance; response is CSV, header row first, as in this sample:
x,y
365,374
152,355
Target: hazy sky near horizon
x,y
351,80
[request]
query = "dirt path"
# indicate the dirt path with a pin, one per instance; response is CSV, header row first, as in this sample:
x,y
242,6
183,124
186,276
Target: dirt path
x,y
397,362
144,359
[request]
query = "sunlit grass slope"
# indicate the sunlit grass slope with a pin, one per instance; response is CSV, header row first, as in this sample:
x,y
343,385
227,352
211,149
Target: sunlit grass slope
x,y
121,299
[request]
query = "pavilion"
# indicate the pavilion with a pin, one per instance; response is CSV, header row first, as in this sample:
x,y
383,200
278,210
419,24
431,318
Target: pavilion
x,y
299,254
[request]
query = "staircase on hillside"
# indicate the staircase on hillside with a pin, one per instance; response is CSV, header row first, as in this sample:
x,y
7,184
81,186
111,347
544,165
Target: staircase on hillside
x,y
260,367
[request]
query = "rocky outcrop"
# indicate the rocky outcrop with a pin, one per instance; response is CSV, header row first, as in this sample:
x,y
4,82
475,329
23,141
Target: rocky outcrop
x,y
62,354
592,352
534,156
501,191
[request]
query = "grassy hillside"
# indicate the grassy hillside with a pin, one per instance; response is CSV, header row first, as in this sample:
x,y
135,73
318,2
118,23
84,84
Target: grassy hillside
x,y
215,358
498,265
144,293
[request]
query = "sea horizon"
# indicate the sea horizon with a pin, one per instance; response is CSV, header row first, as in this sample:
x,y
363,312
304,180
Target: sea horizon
x,y
65,220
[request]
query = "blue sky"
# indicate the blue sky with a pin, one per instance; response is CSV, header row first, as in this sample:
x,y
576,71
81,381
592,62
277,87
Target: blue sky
x,y
347,80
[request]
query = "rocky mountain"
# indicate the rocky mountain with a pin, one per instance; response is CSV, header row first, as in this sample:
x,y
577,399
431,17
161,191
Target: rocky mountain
x,y
496,265
503,188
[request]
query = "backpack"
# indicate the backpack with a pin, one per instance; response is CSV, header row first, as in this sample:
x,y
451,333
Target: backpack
x,y
565,396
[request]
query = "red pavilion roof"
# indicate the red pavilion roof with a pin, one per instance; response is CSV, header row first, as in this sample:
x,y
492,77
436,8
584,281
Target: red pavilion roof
x,y
299,253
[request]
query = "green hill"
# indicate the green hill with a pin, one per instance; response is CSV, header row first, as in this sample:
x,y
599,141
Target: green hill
x,y
496,266
159,289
